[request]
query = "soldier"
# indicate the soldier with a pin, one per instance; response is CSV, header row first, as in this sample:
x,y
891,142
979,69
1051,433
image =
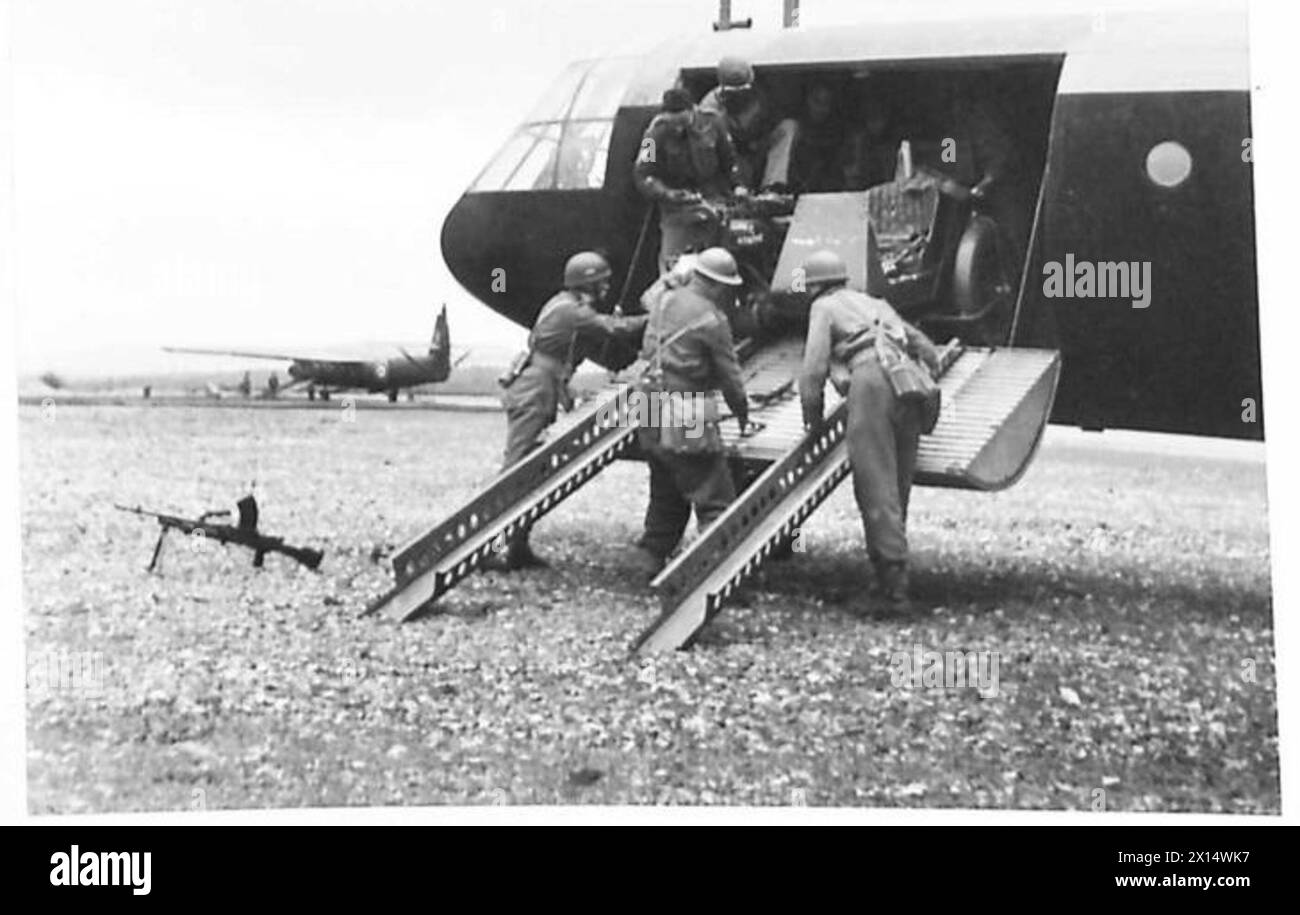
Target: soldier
x,y
882,434
689,352
873,148
815,160
1002,188
685,162
568,330
762,141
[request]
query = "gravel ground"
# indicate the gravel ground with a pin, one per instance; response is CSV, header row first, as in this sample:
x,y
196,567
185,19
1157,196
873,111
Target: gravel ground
x,y
1124,596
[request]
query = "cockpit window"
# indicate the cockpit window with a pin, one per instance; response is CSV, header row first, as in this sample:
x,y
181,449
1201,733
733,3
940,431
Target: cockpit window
x,y
535,169
583,154
507,159
565,143
555,103
603,89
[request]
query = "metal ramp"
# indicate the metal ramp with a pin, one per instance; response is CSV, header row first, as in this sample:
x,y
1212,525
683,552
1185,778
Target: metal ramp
x,y
996,406
996,403
582,444
587,441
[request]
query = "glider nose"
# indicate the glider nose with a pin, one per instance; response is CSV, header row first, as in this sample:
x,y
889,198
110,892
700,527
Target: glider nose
x,y
466,239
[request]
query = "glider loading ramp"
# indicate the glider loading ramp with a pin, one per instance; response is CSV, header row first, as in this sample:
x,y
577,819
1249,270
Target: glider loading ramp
x,y
432,564
996,403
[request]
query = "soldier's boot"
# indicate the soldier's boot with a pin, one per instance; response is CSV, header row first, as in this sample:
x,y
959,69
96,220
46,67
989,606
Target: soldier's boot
x,y
521,556
648,560
890,593
518,554
895,588
875,589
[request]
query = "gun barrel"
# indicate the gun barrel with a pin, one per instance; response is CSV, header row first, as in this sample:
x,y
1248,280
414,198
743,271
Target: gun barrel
x,y
165,520
305,555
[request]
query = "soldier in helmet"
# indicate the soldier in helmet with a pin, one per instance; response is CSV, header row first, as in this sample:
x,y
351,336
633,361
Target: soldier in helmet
x,y
817,158
685,161
689,352
569,329
758,136
843,330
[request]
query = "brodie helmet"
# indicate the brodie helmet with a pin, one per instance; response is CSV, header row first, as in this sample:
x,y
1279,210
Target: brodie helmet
x,y
718,265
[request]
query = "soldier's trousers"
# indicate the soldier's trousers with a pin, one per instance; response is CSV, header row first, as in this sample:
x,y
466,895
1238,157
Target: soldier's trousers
x,y
882,436
780,148
680,483
531,403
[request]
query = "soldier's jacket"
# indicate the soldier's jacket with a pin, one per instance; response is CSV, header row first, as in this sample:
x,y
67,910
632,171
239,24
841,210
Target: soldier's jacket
x,y
748,126
697,156
676,278
841,324
702,359
745,322
568,330
818,159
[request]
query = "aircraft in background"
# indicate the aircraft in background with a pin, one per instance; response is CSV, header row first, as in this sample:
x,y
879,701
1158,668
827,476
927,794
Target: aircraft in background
x,y
327,374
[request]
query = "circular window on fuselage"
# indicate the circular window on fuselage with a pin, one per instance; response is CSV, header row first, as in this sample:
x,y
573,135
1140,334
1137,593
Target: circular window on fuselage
x,y
1169,163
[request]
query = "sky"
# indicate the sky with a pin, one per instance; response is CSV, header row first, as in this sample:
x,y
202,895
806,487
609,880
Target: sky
x,y
264,173
267,173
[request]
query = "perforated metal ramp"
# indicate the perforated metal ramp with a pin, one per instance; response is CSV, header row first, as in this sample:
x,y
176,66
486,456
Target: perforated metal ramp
x,y
997,404
582,444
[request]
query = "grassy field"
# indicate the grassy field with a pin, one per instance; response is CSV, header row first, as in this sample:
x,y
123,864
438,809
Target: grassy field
x,y
1125,596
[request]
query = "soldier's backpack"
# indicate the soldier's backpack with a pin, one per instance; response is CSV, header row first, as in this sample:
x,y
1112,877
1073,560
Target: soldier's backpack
x,y
683,422
910,380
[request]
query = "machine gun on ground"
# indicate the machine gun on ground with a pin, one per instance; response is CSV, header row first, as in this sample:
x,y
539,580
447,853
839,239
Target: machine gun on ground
x,y
242,533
